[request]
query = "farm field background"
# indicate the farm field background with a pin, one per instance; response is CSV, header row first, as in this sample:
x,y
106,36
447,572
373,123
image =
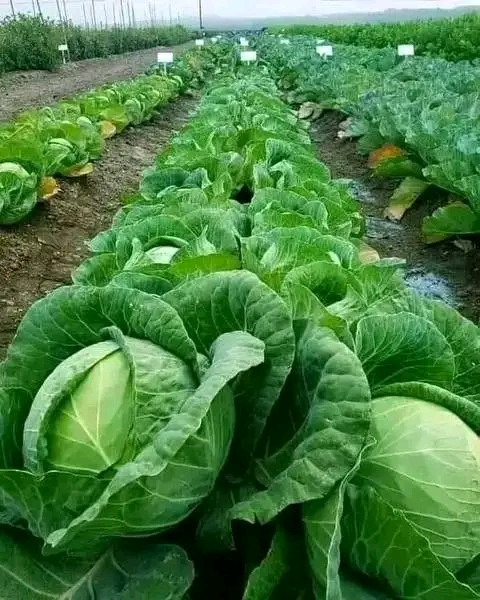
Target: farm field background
x,y
453,39
235,364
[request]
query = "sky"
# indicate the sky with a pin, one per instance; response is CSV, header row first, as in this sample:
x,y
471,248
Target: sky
x,y
223,8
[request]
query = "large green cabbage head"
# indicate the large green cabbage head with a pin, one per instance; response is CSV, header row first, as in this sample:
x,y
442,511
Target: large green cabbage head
x,y
117,410
412,514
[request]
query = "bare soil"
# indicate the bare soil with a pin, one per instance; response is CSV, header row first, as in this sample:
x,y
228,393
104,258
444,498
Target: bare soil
x,y
20,91
39,254
443,271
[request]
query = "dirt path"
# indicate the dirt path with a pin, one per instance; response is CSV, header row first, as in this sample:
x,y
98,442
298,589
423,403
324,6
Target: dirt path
x,y
39,254
20,91
442,271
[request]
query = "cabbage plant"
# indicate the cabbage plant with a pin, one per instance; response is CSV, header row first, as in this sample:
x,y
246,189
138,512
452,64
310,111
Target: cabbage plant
x,y
18,192
133,408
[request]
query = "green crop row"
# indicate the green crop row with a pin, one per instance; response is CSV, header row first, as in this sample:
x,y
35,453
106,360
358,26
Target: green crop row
x,y
65,139
28,42
453,39
418,119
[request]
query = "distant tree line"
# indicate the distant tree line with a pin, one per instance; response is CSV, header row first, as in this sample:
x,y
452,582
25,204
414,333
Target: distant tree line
x,y
31,42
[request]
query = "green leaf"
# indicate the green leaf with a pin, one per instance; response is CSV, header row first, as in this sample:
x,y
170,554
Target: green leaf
x,y
408,565
129,571
404,347
97,270
453,219
321,521
230,301
267,576
326,400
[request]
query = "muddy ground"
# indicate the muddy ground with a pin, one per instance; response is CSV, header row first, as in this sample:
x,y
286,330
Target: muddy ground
x,y
38,254
442,271
20,91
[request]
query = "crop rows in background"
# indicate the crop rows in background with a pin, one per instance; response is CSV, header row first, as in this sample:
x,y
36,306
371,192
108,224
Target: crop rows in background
x,y
65,139
28,42
416,118
237,374
453,39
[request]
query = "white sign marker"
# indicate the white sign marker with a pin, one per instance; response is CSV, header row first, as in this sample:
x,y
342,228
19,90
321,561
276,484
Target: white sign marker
x,y
165,58
200,42
248,56
325,51
214,40
63,48
406,50
243,42
285,42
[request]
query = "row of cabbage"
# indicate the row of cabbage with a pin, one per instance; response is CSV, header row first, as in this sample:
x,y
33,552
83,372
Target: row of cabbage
x,y
232,377
65,139
418,118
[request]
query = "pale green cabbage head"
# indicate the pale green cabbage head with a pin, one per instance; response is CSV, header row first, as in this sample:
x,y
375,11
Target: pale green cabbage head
x,y
426,463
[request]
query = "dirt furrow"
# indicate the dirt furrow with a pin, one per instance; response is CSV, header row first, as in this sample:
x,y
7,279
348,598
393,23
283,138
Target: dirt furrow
x,y
444,271
20,91
39,254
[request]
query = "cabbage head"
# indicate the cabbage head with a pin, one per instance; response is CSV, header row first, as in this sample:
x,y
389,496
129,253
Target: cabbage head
x,y
411,515
18,192
119,407
426,463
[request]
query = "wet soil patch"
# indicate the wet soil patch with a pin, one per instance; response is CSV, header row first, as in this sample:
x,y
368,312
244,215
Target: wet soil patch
x,y
442,271
40,253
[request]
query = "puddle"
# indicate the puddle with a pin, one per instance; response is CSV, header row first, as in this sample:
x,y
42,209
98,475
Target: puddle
x,y
431,286
361,192
381,229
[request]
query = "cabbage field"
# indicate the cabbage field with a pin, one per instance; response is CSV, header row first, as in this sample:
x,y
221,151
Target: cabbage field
x,y
413,123
237,397
65,139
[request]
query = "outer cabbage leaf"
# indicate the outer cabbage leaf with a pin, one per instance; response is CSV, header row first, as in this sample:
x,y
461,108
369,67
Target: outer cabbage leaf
x,y
128,571
326,399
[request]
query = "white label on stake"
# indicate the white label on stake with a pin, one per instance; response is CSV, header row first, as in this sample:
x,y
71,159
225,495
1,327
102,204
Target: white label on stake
x,y
325,51
63,48
406,50
285,42
214,40
248,56
244,43
200,42
165,57
320,42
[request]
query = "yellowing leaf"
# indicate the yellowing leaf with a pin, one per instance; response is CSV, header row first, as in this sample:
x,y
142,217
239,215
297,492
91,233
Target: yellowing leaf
x,y
48,188
404,197
108,129
367,254
386,152
309,110
80,171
